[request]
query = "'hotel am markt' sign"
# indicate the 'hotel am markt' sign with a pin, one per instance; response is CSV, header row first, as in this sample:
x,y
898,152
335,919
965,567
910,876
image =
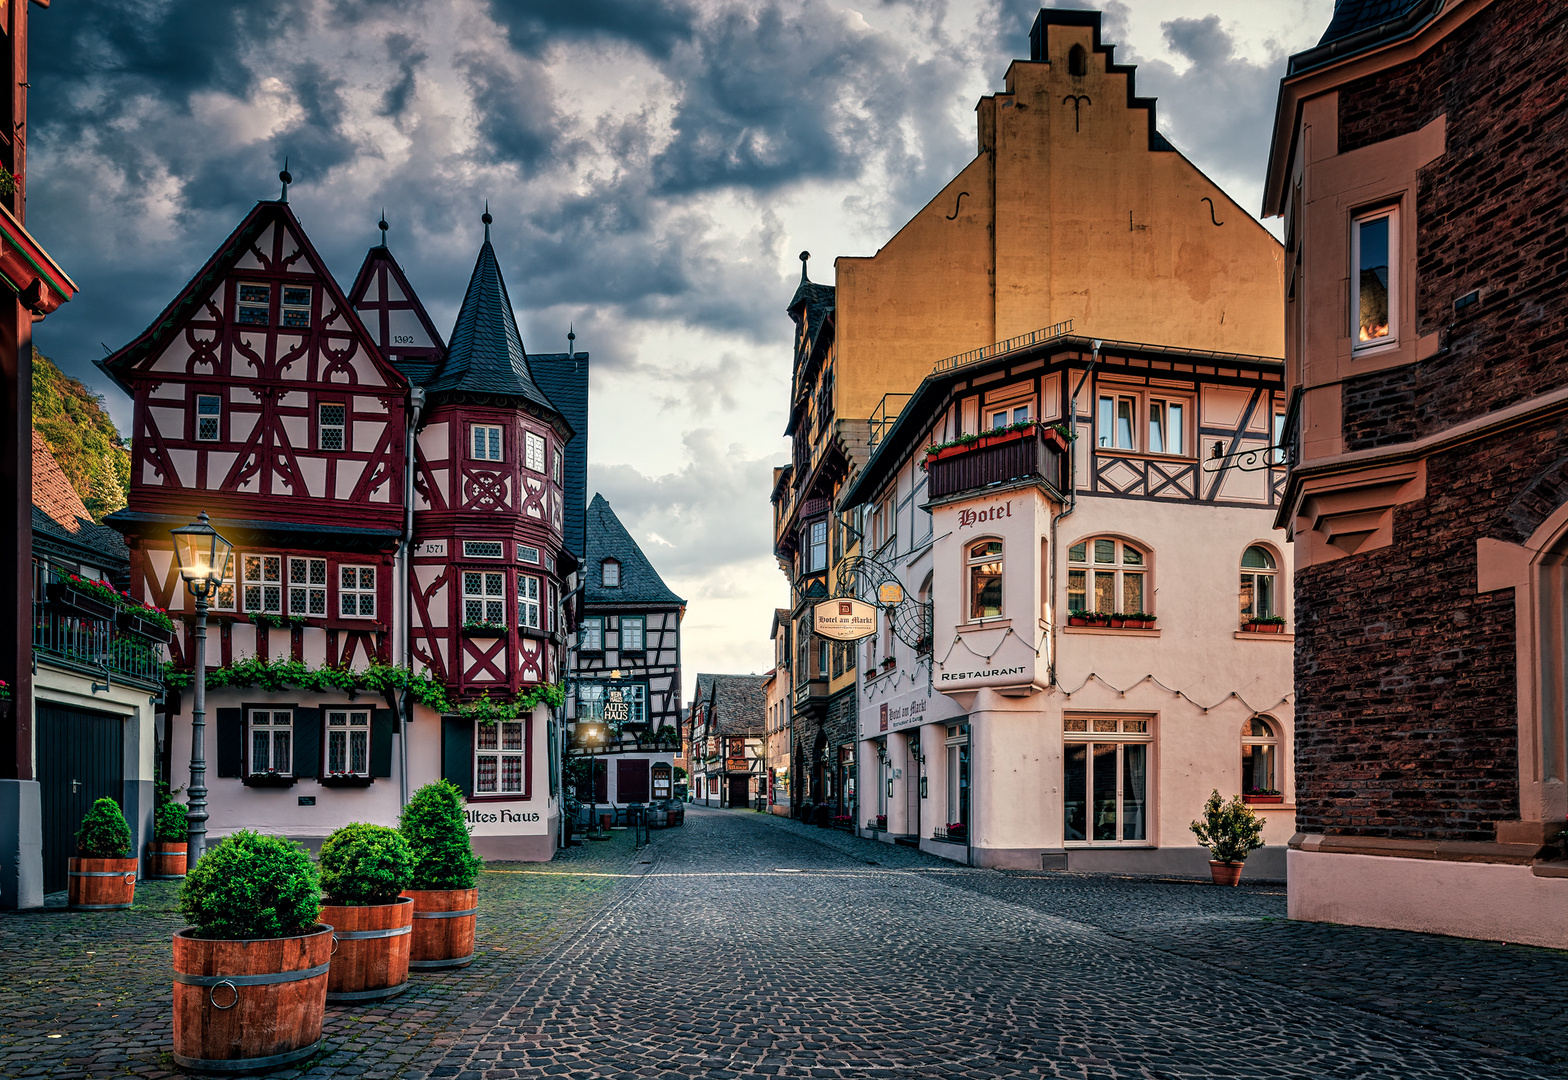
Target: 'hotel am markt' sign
x,y
844,620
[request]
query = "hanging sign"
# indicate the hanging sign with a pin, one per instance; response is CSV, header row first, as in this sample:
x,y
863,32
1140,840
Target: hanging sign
x,y
844,620
617,710
890,593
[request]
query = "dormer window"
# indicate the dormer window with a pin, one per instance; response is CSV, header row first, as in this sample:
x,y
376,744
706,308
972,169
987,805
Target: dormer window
x,y
610,574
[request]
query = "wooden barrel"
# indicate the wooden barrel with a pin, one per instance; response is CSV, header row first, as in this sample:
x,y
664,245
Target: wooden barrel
x,y
443,928
370,950
166,860
101,884
246,1005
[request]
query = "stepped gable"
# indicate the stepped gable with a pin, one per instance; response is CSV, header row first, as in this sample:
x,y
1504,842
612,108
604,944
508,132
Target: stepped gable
x,y
607,538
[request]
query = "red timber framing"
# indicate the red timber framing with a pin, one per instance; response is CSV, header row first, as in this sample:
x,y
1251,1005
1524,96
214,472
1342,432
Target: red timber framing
x,y
391,311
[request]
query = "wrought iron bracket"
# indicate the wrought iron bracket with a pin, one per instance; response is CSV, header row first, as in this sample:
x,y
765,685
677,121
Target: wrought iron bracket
x,y
1255,460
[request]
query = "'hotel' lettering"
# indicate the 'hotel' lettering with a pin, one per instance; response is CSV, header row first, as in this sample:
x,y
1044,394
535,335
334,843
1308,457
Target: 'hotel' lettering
x,y
967,518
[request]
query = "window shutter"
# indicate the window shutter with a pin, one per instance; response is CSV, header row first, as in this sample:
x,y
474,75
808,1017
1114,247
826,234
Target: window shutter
x,y
307,742
231,741
601,781
381,743
457,752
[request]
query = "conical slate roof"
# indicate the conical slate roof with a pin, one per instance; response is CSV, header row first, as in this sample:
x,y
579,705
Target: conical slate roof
x,y
607,538
486,355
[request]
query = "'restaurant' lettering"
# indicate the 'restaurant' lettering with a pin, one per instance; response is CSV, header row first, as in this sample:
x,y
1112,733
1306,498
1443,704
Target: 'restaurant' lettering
x,y
966,518
954,676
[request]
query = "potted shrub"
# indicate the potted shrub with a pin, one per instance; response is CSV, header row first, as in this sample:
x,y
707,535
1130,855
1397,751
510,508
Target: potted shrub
x,y
364,870
166,850
250,973
1231,832
103,876
445,878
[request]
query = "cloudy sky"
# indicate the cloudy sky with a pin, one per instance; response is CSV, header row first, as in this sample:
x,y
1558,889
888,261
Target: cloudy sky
x,y
653,169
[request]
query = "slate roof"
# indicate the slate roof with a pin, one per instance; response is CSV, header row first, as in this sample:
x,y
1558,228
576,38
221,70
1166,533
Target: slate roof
x,y
564,379
1353,16
485,356
60,515
740,703
607,538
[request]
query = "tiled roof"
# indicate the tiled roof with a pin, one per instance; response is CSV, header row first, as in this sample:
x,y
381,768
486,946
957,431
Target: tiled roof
x,y
740,703
1353,16
564,379
486,355
607,538
58,511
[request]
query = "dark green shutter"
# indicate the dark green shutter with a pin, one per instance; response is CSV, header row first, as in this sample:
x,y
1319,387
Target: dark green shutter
x,y
381,743
457,752
307,742
230,731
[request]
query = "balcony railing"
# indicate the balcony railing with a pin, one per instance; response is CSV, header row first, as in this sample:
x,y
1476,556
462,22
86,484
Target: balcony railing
x,y
94,646
1035,452
1013,344
886,414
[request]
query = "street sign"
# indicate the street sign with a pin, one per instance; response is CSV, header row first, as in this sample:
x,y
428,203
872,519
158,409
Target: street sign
x,y
844,620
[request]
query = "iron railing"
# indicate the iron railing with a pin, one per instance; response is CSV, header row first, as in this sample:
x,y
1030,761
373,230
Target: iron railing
x,y
1012,344
94,646
886,414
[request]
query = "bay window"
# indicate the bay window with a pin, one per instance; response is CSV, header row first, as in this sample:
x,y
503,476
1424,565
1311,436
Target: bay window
x,y
528,601
484,597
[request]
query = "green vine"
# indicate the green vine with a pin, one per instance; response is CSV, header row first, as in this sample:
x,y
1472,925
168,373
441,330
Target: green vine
x,y
276,675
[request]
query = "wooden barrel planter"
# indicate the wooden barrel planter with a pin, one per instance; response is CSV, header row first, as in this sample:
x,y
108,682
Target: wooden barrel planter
x,y
101,884
370,951
249,1005
443,928
166,861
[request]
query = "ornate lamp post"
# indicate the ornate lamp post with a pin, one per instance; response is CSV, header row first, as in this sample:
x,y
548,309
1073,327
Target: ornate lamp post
x,y
203,558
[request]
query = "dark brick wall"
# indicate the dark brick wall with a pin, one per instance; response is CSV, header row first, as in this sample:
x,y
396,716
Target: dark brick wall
x,y
838,725
1489,216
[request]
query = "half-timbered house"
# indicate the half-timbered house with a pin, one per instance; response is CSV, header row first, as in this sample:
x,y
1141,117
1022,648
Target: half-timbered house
x,y
626,663
393,502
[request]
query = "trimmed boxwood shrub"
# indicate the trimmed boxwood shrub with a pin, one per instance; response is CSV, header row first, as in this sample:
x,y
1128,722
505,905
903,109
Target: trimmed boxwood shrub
x,y
252,886
104,833
365,864
437,834
170,825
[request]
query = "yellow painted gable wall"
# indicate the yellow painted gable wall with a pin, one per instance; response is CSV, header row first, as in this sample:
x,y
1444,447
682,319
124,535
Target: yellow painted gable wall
x,y
1089,225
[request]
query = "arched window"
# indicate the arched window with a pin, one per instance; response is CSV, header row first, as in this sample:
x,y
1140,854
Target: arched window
x,y
1106,575
985,579
1078,61
610,574
1258,577
1259,743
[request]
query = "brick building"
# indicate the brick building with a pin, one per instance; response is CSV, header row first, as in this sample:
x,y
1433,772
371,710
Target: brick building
x,y
1419,164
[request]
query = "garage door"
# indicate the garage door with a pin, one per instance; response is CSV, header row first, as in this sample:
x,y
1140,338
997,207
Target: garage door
x,y
80,759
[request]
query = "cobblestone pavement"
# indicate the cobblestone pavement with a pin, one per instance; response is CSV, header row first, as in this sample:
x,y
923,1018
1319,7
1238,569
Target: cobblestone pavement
x,y
746,945
755,946
88,994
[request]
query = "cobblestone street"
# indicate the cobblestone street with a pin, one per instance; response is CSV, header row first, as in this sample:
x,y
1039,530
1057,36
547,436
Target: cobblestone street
x,y
748,945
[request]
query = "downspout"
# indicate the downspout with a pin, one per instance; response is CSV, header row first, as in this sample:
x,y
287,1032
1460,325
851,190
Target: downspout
x,y
1072,497
416,399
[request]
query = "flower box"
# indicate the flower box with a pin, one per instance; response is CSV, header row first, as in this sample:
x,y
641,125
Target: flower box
x,y
65,595
345,780
1263,628
1264,799
267,779
134,622
483,630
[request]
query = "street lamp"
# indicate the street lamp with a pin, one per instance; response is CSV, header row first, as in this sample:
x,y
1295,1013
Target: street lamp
x,y
203,558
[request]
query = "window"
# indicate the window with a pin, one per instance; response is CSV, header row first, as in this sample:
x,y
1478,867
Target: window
x,y
1009,405
482,549
632,633
1105,781
1077,61
591,635
329,426
527,554
209,417
1106,575
296,305
614,703
484,597
533,451
1166,430
486,442
1118,420
255,302
958,776
1258,574
610,574
555,472
1166,434
1373,244
271,742
357,592
223,599
348,742
1259,742
549,589
498,758
263,583
817,547
528,601
822,657
985,579
307,586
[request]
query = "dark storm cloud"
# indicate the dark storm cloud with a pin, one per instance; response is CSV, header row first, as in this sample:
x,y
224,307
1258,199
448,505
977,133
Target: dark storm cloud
x,y
407,57
532,26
